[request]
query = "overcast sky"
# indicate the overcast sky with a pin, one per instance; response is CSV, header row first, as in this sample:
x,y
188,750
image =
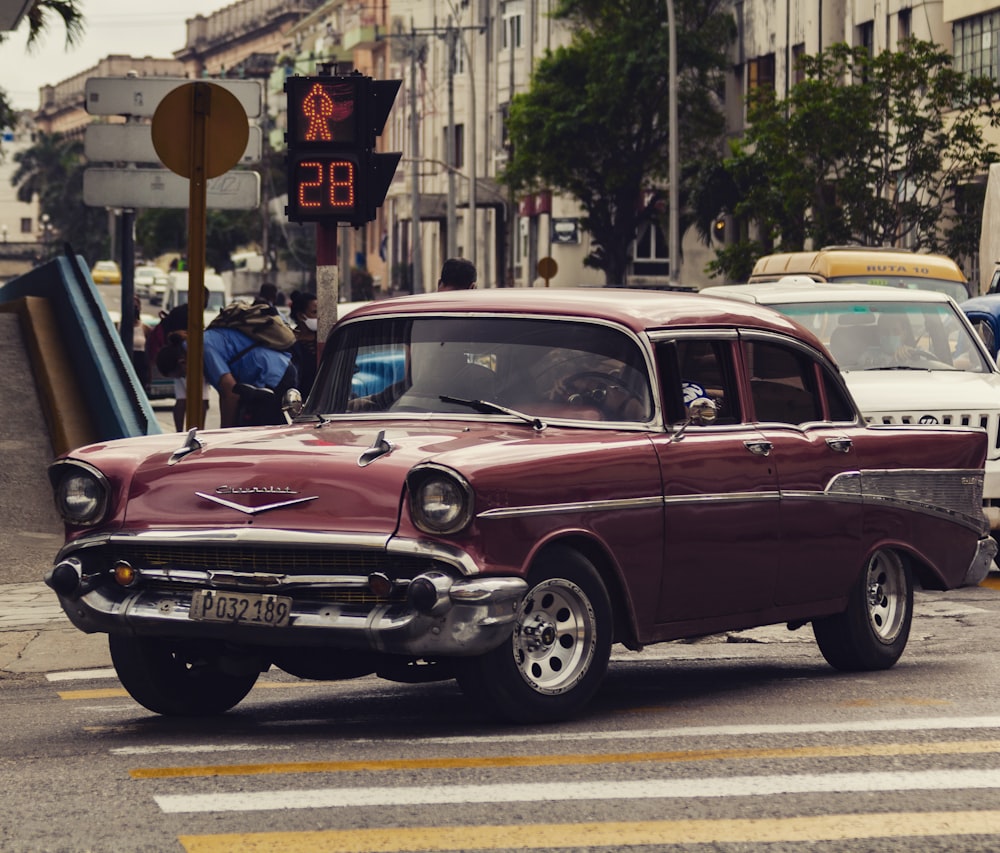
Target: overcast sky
x,y
132,27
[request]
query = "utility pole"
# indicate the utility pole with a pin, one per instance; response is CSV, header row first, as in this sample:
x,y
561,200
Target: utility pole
x,y
673,218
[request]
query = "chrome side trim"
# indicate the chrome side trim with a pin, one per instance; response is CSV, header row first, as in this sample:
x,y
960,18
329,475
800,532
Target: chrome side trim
x,y
576,506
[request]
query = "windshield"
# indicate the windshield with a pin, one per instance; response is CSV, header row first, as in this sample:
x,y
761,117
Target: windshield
x,y
955,289
548,368
891,335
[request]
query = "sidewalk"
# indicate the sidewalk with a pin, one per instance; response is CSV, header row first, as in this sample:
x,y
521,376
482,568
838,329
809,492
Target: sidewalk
x,y
36,636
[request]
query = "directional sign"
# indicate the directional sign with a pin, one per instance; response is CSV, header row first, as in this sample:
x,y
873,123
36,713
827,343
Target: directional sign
x,y
133,143
161,188
139,96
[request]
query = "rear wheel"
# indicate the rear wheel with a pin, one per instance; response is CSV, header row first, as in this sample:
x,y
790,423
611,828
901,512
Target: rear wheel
x,y
177,678
559,650
872,632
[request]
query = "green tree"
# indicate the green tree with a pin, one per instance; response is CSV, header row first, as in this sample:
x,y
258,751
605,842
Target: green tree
x,y
40,17
879,150
594,123
52,170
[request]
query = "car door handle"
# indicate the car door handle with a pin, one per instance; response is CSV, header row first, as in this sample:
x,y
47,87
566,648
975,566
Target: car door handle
x,y
759,448
841,445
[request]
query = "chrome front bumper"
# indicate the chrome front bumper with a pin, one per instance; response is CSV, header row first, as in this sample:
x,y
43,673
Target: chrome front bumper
x,y
982,562
467,616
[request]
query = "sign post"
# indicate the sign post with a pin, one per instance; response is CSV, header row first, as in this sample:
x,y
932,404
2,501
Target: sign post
x,y
184,122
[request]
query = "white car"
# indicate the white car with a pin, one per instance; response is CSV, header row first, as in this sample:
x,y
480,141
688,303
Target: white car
x,y
148,279
938,372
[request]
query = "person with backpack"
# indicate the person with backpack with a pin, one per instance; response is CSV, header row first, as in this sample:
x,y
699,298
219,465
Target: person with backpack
x,y
247,359
173,327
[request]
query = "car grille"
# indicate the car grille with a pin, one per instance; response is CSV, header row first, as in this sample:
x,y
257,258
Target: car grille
x,y
989,421
284,561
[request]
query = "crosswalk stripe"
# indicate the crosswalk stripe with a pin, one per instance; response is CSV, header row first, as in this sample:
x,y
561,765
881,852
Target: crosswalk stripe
x,y
603,790
617,835
482,762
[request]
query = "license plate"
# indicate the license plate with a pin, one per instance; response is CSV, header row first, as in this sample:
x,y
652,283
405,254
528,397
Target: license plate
x,y
240,608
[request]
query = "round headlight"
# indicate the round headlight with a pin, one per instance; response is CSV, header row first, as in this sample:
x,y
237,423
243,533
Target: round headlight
x,y
81,496
441,502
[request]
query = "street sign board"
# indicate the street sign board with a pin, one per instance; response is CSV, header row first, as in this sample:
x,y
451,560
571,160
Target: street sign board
x,y
161,188
139,96
133,143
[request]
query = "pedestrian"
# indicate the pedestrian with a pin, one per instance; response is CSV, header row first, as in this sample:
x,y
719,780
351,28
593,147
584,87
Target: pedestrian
x,y
233,359
140,331
175,329
457,274
268,295
304,316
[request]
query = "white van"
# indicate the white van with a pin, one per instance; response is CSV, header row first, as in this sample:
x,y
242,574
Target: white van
x,y
177,293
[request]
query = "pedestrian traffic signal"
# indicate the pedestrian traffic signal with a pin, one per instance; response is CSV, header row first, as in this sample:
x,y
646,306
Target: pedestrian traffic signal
x,y
334,172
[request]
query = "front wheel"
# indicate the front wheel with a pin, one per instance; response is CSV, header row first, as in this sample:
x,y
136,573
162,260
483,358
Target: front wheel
x,y
176,678
559,650
872,632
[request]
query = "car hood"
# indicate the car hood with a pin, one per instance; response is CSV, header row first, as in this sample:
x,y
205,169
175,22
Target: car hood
x,y
918,392
337,477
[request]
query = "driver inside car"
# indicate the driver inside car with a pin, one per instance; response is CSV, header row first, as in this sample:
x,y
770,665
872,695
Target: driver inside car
x,y
599,393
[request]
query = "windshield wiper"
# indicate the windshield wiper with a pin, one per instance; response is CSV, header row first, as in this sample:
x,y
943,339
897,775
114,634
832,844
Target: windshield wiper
x,y
486,407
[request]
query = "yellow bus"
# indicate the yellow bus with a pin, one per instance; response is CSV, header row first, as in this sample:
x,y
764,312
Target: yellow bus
x,y
867,265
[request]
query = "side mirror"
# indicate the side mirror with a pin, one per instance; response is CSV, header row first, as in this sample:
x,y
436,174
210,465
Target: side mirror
x,y
292,403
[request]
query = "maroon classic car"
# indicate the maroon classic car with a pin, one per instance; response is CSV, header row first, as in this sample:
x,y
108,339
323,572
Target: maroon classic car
x,y
496,486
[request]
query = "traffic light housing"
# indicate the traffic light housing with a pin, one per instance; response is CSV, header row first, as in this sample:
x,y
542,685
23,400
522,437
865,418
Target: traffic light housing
x,y
334,172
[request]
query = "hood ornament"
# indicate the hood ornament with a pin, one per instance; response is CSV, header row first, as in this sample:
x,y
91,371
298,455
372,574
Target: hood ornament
x,y
191,444
253,510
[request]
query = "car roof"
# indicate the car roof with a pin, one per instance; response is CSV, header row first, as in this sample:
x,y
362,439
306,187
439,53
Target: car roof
x,y
638,310
802,289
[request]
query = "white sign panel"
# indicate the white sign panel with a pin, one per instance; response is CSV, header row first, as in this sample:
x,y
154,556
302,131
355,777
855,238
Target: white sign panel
x,y
133,143
161,188
139,96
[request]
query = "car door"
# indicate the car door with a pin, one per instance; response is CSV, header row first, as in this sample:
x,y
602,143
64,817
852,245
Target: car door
x,y
720,488
808,420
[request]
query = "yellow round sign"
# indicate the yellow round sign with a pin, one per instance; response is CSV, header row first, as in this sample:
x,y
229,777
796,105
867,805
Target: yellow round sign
x,y
547,268
226,129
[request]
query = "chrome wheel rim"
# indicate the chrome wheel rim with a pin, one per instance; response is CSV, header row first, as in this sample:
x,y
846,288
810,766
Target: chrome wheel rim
x,y
555,636
885,596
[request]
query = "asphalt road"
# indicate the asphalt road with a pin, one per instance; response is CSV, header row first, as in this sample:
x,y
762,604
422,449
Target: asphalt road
x,y
737,742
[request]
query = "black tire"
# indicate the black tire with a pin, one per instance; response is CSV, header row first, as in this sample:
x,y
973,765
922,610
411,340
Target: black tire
x,y
559,650
175,678
872,633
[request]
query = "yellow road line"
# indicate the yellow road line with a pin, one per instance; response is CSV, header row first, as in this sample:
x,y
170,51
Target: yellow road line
x,y
425,839
864,750
992,581
99,693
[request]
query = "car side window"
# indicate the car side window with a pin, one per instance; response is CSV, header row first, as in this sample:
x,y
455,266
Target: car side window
x,y
694,369
783,384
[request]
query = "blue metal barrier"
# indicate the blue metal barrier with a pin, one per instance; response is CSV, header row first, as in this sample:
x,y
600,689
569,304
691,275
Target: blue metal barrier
x,y
115,399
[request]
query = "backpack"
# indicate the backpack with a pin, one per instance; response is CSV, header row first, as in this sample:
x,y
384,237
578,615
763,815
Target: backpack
x,y
257,322
155,341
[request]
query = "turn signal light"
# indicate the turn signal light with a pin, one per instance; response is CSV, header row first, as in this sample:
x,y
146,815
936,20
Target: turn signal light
x,y
124,574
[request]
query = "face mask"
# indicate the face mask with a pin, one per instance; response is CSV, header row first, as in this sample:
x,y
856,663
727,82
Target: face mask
x,y
312,323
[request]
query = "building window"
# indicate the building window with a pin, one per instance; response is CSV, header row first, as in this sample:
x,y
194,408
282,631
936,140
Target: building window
x,y
975,45
459,146
25,225
512,31
798,72
651,255
760,73
866,36
903,25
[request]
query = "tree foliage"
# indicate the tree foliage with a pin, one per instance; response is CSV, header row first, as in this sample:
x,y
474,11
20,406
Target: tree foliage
x,y
594,123
52,169
879,150
40,17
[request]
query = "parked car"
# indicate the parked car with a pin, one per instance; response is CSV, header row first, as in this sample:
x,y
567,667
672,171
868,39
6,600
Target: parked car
x,y
984,314
555,472
150,280
106,272
945,376
879,265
